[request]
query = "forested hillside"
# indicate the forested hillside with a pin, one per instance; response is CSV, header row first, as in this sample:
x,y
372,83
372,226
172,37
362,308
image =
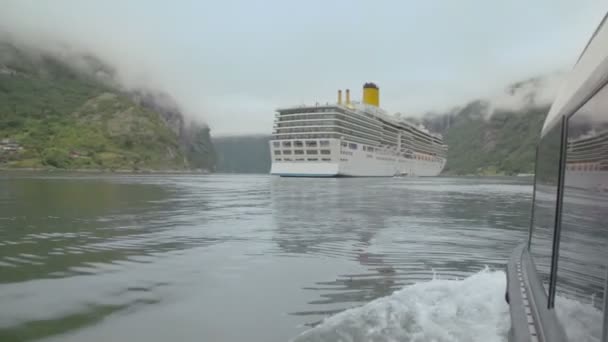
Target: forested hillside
x,y
53,115
479,142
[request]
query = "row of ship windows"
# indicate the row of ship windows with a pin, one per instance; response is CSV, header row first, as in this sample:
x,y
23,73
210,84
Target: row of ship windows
x,y
279,152
343,115
328,129
313,143
372,149
352,146
367,120
330,122
324,135
387,126
586,167
298,143
424,147
302,159
307,110
329,159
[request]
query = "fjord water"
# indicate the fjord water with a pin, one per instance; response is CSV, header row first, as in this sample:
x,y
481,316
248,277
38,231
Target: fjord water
x,y
256,258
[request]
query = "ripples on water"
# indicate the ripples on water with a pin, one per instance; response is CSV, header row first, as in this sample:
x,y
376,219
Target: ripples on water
x,y
255,258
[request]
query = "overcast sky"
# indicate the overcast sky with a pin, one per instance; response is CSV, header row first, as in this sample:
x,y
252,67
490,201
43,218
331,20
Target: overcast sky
x,y
232,62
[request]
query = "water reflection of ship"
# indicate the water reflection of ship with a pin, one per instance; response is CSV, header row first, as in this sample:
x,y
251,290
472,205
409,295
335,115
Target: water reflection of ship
x,y
320,221
588,152
583,223
587,161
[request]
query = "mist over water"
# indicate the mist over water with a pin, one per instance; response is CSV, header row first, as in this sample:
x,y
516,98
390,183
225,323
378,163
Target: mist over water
x,y
226,258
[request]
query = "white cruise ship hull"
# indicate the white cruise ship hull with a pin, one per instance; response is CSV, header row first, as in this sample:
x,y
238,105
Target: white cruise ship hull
x,y
344,161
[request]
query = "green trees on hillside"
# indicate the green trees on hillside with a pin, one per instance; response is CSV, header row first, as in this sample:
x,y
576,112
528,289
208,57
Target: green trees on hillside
x,y
501,143
67,120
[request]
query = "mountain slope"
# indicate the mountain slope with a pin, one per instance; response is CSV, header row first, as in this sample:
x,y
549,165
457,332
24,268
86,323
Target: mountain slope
x,y
63,118
500,142
243,154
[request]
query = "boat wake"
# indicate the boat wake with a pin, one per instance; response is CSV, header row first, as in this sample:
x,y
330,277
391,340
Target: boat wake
x,y
583,322
470,309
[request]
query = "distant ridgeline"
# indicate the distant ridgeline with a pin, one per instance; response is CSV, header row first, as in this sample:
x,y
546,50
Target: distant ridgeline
x,y
243,154
480,143
53,116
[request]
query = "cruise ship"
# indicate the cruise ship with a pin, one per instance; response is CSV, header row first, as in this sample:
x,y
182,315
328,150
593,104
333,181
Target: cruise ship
x,y
352,139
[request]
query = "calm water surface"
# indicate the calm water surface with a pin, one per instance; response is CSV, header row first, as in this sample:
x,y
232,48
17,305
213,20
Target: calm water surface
x,y
234,257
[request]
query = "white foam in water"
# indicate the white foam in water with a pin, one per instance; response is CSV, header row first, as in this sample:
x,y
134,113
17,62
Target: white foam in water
x,y
582,322
471,309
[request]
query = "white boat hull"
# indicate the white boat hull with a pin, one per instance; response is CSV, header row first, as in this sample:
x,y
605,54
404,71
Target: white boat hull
x,y
347,162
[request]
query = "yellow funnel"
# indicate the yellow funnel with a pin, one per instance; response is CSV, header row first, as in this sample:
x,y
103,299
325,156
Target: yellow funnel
x,y
371,94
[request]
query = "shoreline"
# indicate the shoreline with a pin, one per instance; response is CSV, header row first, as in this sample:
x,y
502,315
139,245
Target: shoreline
x,y
201,172
108,171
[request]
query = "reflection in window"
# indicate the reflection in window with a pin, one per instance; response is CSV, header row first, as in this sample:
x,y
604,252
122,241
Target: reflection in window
x,y
583,248
545,202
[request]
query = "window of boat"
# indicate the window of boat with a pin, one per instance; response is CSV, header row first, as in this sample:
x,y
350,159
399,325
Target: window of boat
x,y
325,152
311,152
286,143
326,159
583,246
352,146
286,151
277,152
298,152
276,144
287,159
324,142
277,159
344,144
311,143
312,159
299,159
297,143
545,203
